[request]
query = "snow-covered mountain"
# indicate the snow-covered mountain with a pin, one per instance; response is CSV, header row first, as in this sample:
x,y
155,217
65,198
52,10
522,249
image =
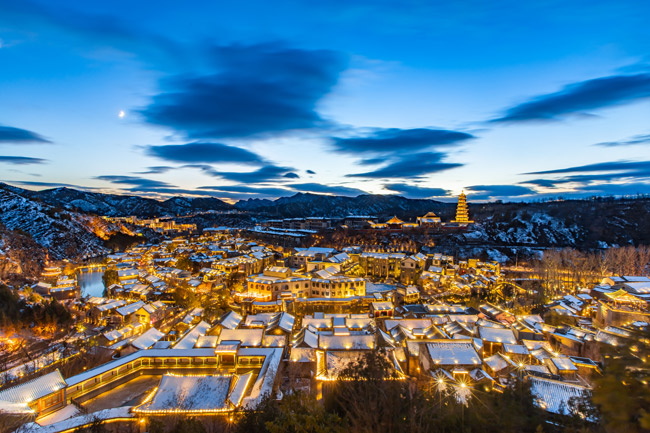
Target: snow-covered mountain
x,y
305,205
124,205
62,233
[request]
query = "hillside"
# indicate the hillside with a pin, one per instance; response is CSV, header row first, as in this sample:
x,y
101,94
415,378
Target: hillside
x,y
62,233
595,223
304,205
124,205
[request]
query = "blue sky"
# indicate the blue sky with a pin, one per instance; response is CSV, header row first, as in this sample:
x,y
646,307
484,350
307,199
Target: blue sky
x,y
507,100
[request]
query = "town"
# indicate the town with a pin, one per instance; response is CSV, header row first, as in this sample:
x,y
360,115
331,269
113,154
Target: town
x,y
208,325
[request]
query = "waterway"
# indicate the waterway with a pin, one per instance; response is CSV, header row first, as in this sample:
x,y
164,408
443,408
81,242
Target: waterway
x,y
91,283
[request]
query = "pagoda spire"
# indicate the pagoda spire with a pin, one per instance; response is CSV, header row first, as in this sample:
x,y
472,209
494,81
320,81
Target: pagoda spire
x,y
462,212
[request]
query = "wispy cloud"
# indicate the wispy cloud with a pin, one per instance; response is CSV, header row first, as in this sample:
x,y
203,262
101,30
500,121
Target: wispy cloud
x,y
580,98
394,140
319,188
492,192
21,160
410,166
208,153
632,141
415,191
135,182
9,134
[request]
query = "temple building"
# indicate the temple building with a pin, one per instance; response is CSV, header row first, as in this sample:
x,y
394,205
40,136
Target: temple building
x,y
429,220
462,214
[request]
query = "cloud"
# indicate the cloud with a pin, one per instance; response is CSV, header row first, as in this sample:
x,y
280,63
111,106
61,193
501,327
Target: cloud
x,y
257,89
159,169
595,174
10,134
601,166
46,184
394,141
244,190
615,189
414,191
327,189
210,153
579,98
310,172
632,141
21,160
411,166
94,29
488,192
264,174
137,183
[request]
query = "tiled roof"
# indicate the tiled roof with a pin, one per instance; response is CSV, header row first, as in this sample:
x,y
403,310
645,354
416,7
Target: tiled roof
x,y
34,389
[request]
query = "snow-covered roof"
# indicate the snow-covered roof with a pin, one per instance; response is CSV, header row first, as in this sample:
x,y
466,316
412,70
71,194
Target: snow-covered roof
x,y
130,309
189,394
382,306
453,352
111,305
518,349
554,396
205,341
34,389
247,337
498,362
496,335
153,353
147,339
238,391
407,323
347,342
264,383
306,338
283,321
189,340
563,363
302,354
230,320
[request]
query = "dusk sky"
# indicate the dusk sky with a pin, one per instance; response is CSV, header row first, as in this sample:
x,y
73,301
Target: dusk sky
x,y
510,100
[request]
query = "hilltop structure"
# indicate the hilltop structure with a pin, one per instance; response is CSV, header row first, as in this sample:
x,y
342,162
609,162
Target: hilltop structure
x,y
462,213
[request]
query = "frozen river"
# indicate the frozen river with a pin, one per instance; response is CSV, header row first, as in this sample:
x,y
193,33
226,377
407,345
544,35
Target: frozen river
x,y
91,283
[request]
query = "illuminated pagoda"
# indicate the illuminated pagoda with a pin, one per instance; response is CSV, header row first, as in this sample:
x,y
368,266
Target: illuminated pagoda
x,y
462,214
50,272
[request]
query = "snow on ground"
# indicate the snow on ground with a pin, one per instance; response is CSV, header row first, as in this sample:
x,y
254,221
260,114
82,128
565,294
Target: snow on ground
x,y
60,415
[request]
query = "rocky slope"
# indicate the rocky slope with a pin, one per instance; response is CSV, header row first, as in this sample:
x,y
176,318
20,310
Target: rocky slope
x,y
123,205
62,233
20,255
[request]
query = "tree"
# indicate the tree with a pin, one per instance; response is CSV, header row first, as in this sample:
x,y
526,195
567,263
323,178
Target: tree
x,y
110,277
184,263
185,298
622,393
295,413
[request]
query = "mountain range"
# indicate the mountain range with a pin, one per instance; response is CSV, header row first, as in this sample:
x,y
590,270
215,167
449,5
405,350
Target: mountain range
x,y
65,223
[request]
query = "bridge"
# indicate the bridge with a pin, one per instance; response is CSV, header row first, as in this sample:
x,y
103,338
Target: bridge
x,y
501,285
91,268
